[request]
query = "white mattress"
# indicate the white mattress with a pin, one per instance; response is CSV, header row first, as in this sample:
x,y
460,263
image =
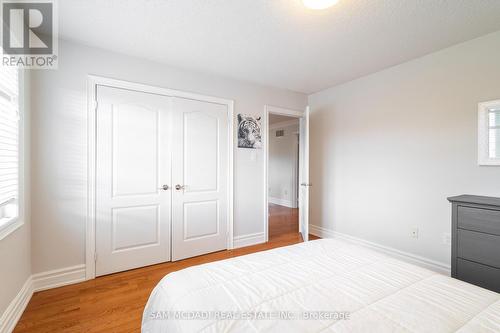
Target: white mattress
x,y
374,292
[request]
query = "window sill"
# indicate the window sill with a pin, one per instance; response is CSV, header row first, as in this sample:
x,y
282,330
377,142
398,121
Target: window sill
x,y
489,161
9,225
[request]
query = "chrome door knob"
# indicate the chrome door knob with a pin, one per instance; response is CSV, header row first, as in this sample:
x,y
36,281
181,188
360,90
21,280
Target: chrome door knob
x,y
179,187
164,187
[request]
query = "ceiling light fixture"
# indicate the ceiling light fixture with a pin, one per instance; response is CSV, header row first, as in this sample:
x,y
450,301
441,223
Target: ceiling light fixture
x,y
319,4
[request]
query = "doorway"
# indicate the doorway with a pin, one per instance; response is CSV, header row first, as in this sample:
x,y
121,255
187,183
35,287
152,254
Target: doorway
x,y
283,177
286,174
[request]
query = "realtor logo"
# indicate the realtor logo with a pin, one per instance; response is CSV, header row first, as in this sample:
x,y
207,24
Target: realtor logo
x,y
29,34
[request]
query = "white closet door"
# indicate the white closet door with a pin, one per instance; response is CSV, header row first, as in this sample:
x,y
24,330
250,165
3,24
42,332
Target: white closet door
x,y
133,211
199,171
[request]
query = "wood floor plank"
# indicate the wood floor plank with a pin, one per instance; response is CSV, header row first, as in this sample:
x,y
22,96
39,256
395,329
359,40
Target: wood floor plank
x,y
114,303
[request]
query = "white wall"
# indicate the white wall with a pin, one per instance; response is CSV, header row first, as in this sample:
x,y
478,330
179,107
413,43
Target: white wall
x,y
387,149
59,139
15,256
283,156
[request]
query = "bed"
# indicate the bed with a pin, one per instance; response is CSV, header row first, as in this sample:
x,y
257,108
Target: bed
x,y
325,285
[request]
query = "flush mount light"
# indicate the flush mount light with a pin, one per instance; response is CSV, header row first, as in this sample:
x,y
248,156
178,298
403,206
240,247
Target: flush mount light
x,y
319,4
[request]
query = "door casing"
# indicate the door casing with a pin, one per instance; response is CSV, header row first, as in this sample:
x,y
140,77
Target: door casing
x,y
92,82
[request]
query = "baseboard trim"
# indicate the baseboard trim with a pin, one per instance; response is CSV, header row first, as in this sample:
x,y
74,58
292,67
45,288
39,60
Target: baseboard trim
x,y
282,202
433,265
248,240
38,282
14,311
58,277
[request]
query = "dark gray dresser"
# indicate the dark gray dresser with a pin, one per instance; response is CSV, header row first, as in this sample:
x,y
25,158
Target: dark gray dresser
x,y
475,245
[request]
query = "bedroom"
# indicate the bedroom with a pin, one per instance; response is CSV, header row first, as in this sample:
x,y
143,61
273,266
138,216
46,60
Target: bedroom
x,y
392,92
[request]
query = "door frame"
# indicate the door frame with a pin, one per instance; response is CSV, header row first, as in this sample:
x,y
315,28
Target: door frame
x,y
265,129
93,81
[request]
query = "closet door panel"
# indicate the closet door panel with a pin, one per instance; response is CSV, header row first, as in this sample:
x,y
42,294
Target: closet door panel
x,y
199,169
133,212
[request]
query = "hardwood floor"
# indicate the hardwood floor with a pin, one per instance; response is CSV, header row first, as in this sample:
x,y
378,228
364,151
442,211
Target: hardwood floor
x,y
114,303
283,222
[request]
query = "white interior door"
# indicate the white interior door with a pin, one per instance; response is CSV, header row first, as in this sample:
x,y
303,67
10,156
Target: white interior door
x,y
133,209
304,176
199,174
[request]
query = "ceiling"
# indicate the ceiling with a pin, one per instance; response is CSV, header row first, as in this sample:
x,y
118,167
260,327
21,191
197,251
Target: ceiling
x,y
277,118
278,42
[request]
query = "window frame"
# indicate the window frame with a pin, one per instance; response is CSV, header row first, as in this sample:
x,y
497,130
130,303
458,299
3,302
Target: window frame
x,y
484,109
9,225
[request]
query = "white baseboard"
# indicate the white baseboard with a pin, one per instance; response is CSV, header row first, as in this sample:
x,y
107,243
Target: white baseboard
x,y
433,265
58,277
38,282
248,240
321,232
282,202
13,313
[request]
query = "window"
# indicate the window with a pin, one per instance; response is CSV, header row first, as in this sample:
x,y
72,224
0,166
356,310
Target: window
x,y
9,149
489,133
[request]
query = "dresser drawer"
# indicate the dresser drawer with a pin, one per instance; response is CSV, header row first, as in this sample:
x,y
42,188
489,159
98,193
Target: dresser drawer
x,y
483,220
479,247
480,275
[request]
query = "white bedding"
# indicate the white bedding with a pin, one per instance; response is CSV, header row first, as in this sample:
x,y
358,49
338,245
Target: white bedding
x,y
374,293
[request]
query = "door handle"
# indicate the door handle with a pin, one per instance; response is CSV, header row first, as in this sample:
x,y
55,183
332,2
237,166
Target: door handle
x,y
164,187
179,187
306,184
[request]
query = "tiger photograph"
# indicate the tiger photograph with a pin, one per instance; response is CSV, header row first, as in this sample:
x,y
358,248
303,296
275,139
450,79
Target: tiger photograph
x,y
249,132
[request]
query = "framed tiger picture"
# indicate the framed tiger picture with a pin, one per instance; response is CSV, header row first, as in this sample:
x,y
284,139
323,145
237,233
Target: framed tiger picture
x,y
249,132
